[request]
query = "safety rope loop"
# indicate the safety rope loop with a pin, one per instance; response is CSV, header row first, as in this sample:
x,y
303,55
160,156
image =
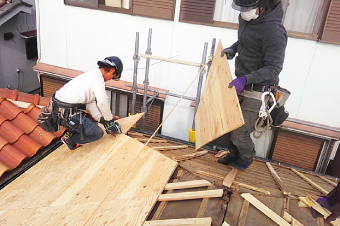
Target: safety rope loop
x,y
259,123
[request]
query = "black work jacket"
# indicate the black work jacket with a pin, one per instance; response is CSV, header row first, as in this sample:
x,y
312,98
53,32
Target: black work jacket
x,y
261,47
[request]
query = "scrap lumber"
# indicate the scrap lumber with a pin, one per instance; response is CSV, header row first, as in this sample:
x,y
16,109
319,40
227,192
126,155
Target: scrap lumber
x,y
225,224
151,141
315,185
165,148
302,204
277,179
243,214
328,181
264,209
286,204
206,221
189,156
247,186
136,134
228,180
219,110
191,195
313,204
320,221
221,154
212,175
187,184
336,222
291,219
218,177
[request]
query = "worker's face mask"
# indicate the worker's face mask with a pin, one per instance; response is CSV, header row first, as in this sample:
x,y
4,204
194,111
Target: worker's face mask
x,y
249,15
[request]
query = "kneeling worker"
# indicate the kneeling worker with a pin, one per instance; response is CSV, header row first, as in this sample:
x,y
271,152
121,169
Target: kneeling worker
x,y
87,91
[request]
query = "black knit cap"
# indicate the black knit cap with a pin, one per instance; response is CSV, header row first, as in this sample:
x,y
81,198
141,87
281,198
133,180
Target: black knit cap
x,y
246,5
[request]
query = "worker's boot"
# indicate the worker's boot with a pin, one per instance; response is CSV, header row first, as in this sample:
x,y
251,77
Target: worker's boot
x,y
230,158
65,140
241,164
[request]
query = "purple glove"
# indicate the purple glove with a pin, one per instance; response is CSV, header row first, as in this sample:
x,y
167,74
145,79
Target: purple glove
x,y
239,83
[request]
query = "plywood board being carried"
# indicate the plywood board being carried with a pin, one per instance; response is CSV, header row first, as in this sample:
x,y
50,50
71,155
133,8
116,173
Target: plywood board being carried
x,y
219,111
114,181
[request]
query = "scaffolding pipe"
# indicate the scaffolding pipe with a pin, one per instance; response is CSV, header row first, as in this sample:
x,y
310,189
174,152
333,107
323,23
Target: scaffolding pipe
x,y
212,52
199,87
146,80
135,70
165,93
170,60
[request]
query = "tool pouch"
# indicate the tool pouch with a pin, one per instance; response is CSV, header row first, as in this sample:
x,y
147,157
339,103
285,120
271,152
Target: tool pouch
x,y
279,115
74,123
47,120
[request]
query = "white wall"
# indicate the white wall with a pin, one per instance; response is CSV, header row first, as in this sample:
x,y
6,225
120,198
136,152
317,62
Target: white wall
x,y
77,38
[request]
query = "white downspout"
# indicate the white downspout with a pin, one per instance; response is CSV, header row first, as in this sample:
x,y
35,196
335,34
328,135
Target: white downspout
x,y
37,16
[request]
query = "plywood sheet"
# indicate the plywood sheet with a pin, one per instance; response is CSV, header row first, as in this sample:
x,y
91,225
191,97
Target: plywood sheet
x,y
219,111
114,181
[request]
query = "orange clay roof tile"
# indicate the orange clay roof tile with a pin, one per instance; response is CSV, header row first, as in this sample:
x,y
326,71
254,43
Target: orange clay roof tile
x,y
27,145
20,135
25,123
2,119
10,132
41,136
3,142
9,110
10,156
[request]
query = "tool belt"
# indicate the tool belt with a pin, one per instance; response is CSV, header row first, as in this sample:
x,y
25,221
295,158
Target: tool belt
x,y
258,87
59,113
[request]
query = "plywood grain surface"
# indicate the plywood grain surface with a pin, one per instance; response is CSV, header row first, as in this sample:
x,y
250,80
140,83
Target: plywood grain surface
x,y
114,181
219,110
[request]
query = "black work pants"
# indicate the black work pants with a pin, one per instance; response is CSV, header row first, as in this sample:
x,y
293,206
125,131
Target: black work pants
x,y
241,142
90,131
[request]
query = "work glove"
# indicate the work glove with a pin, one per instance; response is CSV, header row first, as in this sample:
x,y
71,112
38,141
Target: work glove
x,y
111,127
239,83
230,52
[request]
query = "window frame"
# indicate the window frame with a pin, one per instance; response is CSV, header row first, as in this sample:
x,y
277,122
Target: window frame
x,y
130,11
316,34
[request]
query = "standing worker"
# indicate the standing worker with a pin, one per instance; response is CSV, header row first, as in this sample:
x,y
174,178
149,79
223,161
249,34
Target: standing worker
x,y
261,46
86,91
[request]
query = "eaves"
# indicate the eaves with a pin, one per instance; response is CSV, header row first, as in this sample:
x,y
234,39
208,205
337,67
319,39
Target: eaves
x,y
10,10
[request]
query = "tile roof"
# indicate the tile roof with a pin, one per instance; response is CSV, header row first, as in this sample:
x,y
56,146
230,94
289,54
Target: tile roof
x,y
9,10
20,135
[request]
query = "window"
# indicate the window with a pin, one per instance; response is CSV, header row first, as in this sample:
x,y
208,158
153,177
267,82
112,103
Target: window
x,y
161,9
311,19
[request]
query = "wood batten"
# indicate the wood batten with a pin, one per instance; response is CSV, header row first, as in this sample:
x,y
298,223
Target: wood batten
x,y
191,195
229,179
187,184
264,209
180,222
